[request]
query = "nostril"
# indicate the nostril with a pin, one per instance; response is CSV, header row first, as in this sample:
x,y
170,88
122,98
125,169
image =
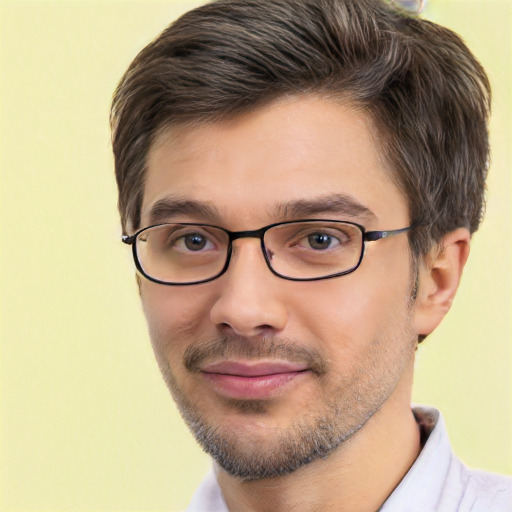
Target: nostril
x,y
245,329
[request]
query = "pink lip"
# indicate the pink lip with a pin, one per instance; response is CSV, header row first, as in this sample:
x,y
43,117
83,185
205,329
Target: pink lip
x,y
251,380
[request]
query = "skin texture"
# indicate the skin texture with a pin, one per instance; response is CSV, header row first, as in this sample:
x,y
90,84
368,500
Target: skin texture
x,y
340,434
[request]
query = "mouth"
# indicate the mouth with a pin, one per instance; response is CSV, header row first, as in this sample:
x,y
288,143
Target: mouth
x,y
249,380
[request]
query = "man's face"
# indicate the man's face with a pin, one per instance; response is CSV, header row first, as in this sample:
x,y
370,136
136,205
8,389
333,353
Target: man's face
x,y
271,374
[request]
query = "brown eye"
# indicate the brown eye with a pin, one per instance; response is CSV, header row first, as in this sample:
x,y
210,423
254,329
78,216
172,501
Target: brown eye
x,y
195,242
320,241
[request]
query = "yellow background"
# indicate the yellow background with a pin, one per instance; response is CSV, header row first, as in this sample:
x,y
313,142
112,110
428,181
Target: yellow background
x,y
86,422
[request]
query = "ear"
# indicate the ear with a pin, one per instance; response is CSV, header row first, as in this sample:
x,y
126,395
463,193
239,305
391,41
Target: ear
x,y
439,276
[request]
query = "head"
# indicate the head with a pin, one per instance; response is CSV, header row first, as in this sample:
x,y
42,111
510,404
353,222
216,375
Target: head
x,y
245,106
426,94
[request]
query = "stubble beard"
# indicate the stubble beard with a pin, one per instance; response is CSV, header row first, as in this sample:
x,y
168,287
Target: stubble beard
x,y
315,435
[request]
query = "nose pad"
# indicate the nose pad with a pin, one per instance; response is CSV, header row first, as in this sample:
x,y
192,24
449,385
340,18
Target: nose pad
x,y
250,299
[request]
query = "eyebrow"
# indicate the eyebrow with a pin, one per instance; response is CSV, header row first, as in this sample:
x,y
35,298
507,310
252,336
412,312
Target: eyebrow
x,y
165,209
339,204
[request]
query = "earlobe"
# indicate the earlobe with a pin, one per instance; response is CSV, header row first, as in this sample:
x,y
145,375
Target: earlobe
x,y
439,276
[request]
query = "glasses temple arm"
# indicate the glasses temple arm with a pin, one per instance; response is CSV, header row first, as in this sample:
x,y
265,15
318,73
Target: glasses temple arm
x,y
372,236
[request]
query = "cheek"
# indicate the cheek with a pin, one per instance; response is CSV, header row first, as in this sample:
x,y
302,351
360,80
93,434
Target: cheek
x,y
175,316
336,318
358,310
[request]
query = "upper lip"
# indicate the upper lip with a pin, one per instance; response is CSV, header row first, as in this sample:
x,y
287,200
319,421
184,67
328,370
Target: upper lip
x,y
253,368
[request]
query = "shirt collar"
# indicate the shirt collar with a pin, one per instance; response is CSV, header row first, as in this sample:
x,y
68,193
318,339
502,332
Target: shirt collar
x,y
423,484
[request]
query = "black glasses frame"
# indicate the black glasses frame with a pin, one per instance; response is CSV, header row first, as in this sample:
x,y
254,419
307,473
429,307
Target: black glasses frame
x,y
367,236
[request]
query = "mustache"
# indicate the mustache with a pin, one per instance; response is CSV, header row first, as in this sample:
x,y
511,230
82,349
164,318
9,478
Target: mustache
x,y
230,347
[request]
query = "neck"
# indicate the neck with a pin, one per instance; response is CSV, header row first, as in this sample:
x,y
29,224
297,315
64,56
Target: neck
x,y
357,477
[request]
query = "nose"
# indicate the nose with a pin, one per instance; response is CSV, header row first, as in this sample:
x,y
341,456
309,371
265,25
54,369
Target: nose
x,y
250,298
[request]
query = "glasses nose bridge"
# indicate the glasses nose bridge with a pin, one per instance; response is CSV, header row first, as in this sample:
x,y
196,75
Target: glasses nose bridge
x,y
254,233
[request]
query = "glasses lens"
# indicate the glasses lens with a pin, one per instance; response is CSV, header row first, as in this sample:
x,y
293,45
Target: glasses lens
x,y
182,253
313,249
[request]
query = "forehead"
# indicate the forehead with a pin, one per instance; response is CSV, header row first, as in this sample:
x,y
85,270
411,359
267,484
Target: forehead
x,y
297,150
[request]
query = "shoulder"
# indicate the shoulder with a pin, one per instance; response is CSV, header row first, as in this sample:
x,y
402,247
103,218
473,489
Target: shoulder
x,y
484,492
438,481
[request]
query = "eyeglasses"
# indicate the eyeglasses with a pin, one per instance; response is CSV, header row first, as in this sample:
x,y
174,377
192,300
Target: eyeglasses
x,y
304,250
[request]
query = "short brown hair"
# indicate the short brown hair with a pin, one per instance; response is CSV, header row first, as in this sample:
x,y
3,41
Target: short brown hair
x,y
426,93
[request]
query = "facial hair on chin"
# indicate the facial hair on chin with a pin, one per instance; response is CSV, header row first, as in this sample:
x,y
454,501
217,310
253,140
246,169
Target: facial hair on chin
x,y
306,439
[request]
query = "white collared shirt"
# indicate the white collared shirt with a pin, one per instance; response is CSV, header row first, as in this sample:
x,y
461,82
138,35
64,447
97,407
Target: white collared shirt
x,y
437,481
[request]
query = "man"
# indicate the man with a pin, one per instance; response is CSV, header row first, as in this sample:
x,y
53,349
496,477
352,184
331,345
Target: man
x,y
299,181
